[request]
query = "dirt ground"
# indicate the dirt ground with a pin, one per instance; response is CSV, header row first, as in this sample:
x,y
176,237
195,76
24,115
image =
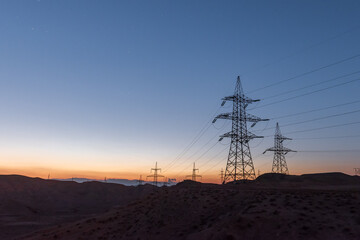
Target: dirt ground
x,y
317,206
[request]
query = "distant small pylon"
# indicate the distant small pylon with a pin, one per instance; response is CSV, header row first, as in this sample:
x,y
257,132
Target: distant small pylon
x,y
140,181
357,171
279,162
155,176
221,176
194,175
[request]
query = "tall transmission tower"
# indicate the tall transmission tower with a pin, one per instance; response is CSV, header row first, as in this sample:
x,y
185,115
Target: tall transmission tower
x,y
357,171
221,176
279,162
239,163
155,176
194,175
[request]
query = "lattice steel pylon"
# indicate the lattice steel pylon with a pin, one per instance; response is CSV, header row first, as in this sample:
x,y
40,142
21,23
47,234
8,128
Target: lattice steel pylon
x,y
239,165
155,176
221,176
140,181
279,162
357,171
194,176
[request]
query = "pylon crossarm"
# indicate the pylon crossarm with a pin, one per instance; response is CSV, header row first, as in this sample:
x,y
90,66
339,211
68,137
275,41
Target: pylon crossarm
x,y
250,136
269,149
253,118
284,149
282,138
156,169
223,116
228,134
243,98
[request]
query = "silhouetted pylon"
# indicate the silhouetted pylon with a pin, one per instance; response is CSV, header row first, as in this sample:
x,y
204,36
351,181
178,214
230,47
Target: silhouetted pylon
x,y
357,171
279,162
221,176
140,181
155,176
194,175
239,165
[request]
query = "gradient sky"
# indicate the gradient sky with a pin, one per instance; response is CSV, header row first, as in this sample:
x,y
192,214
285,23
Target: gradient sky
x,y
107,88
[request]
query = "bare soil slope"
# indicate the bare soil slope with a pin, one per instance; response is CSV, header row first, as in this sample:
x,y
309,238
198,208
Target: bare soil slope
x,y
257,210
27,204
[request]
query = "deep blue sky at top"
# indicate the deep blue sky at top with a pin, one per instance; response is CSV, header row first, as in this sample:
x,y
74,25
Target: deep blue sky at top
x,y
119,81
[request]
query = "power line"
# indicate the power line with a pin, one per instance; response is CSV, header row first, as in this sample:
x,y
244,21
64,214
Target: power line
x,y
320,128
307,48
316,110
305,94
178,174
334,137
322,151
209,160
311,85
307,73
196,138
215,136
219,129
221,160
316,119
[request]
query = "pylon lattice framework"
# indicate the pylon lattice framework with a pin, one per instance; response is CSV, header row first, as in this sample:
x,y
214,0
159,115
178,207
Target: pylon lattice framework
x,y
279,162
239,163
156,175
194,176
221,176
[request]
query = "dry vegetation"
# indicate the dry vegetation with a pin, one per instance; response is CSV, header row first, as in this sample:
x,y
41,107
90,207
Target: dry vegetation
x,y
322,206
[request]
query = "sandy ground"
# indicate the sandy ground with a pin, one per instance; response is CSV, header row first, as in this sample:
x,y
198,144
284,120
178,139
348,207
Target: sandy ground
x,y
320,206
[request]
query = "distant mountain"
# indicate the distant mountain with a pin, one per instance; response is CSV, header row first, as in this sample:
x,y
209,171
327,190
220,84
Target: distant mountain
x,y
125,182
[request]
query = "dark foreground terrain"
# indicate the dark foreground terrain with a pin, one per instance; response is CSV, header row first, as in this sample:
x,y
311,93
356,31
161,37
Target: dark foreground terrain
x,y
317,206
28,204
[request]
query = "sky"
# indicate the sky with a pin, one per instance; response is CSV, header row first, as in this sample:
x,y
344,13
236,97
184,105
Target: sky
x,y
107,88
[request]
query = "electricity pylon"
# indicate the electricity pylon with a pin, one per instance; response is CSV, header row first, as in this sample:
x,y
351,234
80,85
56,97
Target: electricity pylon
x,y
239,163
357,171
194,175
221,176
140,181
279,162
155,176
